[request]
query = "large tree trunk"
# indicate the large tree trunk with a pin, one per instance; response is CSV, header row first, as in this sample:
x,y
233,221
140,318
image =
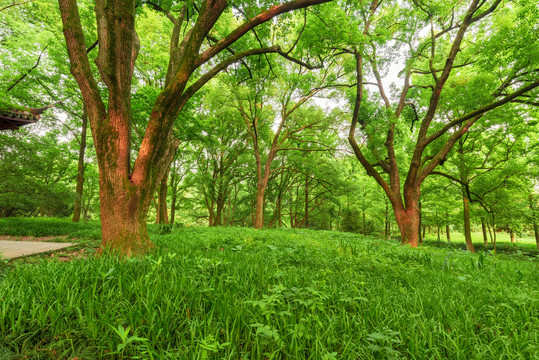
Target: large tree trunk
x,y
512,235
124,210
448,233
408,222
80,170
221,202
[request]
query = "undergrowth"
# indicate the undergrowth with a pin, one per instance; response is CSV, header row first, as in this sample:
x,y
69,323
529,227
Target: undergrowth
x,y
236,293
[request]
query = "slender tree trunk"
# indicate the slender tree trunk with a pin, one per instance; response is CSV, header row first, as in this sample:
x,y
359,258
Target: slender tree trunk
x,y
162,212
174,199
279,209
536,231
463,173
80,169
484,229
512,235
424,231
467,230
306,202
494,232
259,212
387,227
448,234
231,221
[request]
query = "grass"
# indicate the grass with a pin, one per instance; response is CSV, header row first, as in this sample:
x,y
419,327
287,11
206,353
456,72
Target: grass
x,y
50,227
234,293
524,243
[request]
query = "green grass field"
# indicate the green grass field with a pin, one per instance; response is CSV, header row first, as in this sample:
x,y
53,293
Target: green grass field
x,y
236,293
524,243
477,238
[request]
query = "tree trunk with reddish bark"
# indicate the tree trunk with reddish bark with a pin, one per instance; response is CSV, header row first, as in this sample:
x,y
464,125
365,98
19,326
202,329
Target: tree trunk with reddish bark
x,y
260,198
408,221
125,190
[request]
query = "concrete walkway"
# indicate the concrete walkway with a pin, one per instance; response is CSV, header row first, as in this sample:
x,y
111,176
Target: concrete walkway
x,y
15,249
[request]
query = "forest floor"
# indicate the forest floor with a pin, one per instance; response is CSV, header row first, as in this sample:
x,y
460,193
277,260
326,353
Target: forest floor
x,y
236,293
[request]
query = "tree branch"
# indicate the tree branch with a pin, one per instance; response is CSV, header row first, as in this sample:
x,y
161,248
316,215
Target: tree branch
x,y
252,23
21,78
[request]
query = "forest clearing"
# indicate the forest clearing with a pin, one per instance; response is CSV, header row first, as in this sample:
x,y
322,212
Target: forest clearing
x,y
269,179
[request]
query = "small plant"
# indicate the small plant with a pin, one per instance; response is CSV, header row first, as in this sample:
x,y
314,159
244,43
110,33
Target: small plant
x,y
125,339
384,343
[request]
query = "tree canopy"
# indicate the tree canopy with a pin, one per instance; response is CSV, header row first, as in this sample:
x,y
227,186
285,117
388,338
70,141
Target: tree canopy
x,y
328,114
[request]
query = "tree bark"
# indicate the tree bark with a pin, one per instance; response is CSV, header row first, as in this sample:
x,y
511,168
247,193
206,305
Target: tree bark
x,y
307,202
174,199
80,169
124,210
466,218
536,231
484,229
259,210
465,201
493,225
220,204
448,234
387,225
162,211
408,222
512,235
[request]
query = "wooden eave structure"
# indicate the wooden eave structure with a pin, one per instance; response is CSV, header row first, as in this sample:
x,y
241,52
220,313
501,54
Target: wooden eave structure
x,y
12,119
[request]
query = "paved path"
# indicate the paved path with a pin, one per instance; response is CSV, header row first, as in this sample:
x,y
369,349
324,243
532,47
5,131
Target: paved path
x,y
15,249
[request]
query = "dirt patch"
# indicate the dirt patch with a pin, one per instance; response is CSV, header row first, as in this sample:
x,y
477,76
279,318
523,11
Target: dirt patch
x,y
70,255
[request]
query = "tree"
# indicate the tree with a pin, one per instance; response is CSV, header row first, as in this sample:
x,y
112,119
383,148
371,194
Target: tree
x,y
473,55
126,189
490,147
257,106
